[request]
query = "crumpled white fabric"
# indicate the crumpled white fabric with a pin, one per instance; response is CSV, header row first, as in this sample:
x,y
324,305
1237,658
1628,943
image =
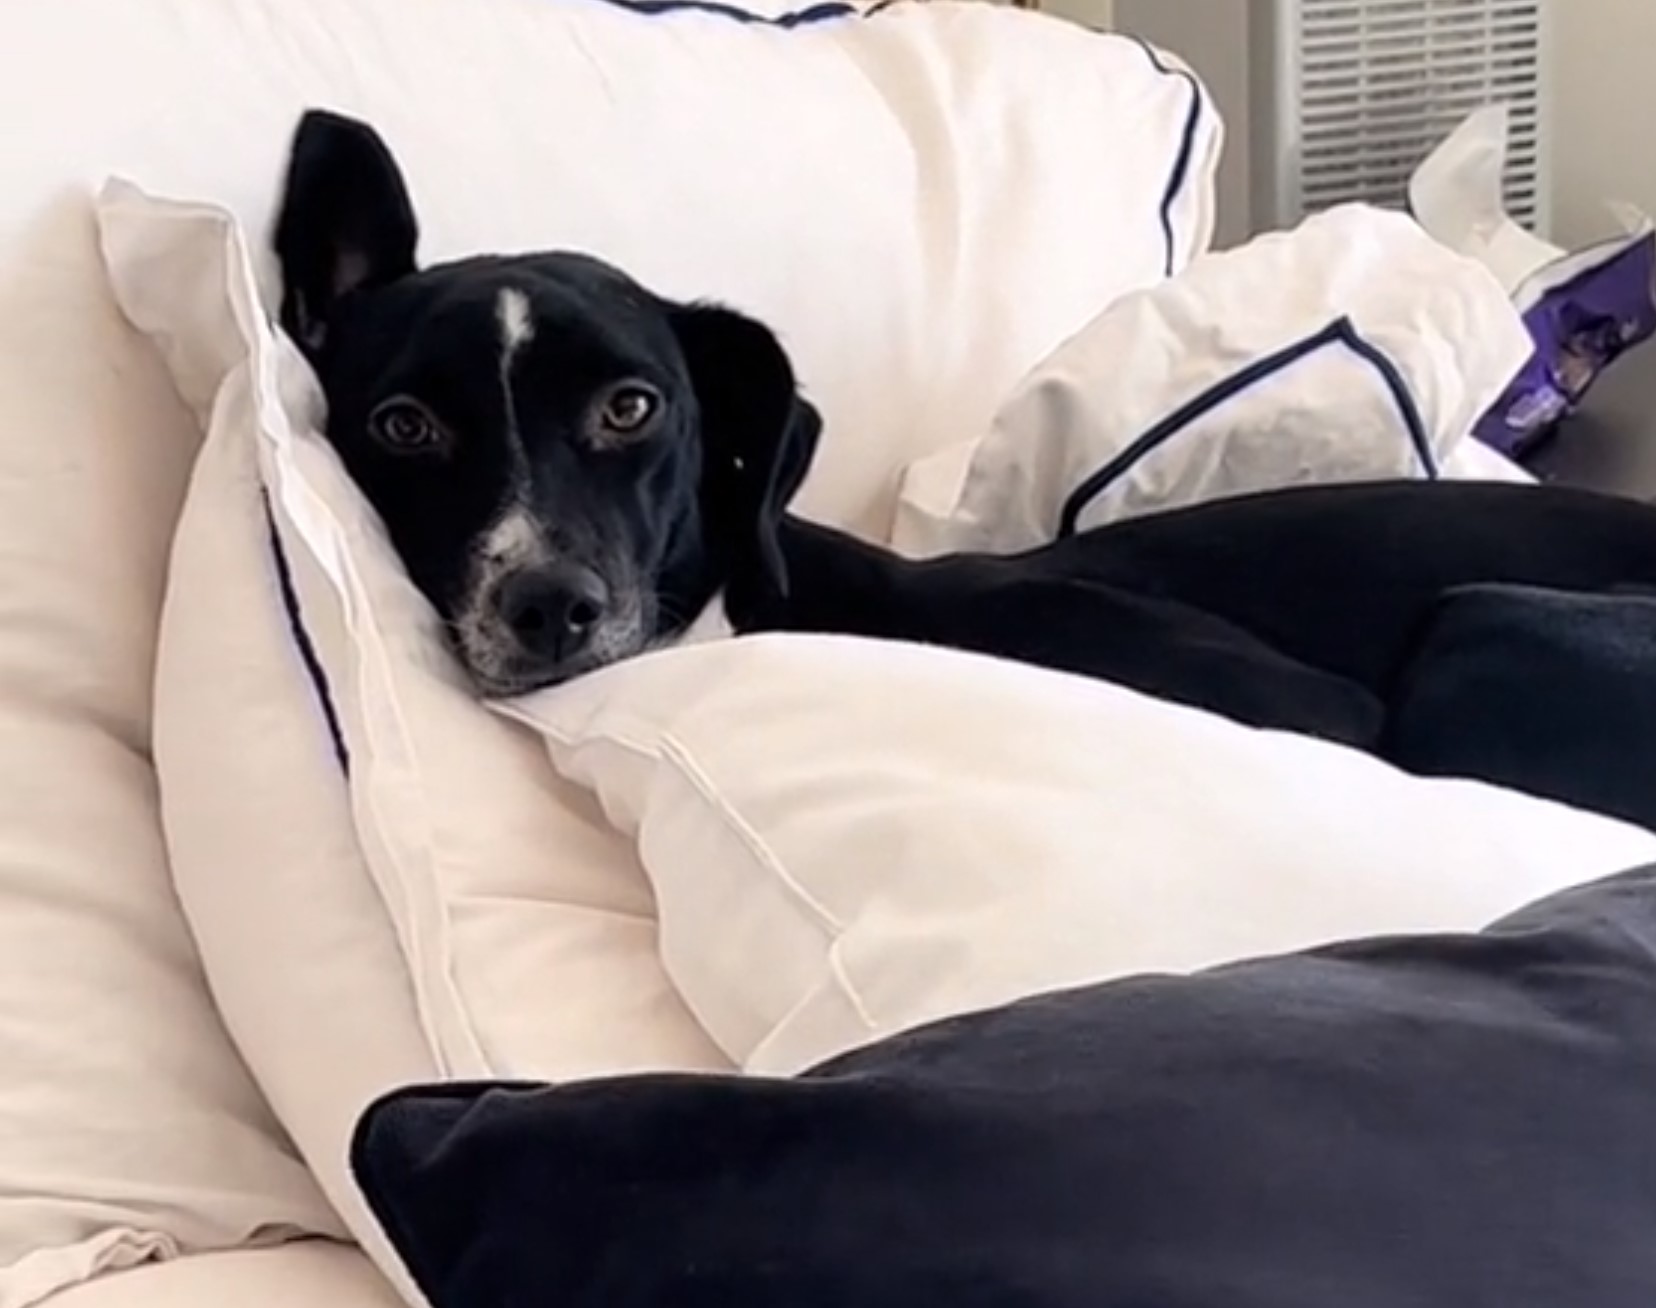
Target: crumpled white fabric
x,y
1352,348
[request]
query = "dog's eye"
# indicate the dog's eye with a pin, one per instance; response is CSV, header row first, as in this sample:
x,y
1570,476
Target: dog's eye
x,y
628,408
405,425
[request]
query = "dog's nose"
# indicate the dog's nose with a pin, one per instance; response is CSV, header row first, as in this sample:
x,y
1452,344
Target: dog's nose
x,y
553,613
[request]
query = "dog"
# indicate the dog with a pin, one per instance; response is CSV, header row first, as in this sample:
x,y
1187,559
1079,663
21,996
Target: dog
x,y
569,466
572,468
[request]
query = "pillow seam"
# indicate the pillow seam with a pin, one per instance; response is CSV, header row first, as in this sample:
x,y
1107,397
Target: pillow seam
x,y
630,734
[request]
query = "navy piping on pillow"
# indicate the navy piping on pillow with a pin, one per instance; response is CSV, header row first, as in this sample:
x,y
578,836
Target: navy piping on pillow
x,y
835,9
1187,148
1339,332
301,638
819,13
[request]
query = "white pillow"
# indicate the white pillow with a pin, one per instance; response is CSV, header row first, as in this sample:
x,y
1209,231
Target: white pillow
x,y
445,905
911,177
849,838
387,884
130,1129
1353,348
310,1273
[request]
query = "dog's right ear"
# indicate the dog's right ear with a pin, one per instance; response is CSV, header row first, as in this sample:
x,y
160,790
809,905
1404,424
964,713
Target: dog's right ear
x,y
758,436
346,222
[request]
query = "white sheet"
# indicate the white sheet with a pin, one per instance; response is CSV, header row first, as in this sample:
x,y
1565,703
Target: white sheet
x,y
314,1274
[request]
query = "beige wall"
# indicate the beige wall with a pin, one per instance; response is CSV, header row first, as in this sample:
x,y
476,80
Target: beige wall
x,y
1602,89
1094,13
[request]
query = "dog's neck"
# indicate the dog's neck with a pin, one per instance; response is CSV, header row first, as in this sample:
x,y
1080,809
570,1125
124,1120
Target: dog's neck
x,y
836,583
688,581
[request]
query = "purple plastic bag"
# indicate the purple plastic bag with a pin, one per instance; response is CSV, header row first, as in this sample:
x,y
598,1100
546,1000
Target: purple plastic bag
x,y
1580,325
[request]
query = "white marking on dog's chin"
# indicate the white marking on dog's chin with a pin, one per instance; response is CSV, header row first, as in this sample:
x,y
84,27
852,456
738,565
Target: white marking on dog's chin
x,y
516,541
517,328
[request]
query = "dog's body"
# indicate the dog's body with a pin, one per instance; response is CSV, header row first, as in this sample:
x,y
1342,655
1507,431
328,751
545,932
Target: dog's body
x,y
572,468
1291,609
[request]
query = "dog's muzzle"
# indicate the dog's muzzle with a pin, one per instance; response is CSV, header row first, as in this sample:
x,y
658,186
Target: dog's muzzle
x,y
552,612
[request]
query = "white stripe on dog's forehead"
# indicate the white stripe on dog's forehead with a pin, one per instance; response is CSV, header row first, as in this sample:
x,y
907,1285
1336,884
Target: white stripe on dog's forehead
x,y
517,328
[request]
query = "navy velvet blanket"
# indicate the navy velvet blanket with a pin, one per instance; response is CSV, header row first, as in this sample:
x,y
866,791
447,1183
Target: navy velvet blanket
x,y
1547,692
1442,1122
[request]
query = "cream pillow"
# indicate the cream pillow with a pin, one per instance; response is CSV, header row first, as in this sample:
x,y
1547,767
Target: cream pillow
x,y
849,838
387,883
130,1129
309,1273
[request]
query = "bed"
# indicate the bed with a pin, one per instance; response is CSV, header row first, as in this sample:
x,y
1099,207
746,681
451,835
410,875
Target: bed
x,y
311,1272
282,907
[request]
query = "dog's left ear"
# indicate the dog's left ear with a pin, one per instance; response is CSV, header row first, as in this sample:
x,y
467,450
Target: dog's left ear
x,y
346,222
758,438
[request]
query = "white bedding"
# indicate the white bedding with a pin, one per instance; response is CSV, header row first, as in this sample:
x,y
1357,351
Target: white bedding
x,y
809,885
896,834
1352,348
389,883
313,1274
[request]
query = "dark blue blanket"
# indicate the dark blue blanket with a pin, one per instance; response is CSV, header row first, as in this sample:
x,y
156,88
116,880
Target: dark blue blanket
x,y
1543,691
1444,1122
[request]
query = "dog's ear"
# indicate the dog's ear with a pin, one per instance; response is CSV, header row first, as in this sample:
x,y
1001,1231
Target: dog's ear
x,y
346,222
758,437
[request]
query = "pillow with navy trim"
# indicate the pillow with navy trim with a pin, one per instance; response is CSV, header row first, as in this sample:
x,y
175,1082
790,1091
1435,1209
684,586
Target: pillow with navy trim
x,y
1449,1121
1350,349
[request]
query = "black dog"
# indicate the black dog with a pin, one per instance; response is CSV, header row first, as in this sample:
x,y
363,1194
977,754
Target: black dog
x,y
572,468
569,466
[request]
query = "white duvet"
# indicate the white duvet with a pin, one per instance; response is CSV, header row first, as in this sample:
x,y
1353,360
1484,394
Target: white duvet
x,y
1354,347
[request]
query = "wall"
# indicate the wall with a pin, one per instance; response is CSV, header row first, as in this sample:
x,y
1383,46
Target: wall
x,y
1094,13
1602,93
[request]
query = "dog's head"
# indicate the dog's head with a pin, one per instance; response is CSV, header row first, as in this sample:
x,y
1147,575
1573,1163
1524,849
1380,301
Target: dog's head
x,y
568,465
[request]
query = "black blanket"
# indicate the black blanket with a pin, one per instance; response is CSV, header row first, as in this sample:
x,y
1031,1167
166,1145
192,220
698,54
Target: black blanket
x,y
1443,1122
1548,692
